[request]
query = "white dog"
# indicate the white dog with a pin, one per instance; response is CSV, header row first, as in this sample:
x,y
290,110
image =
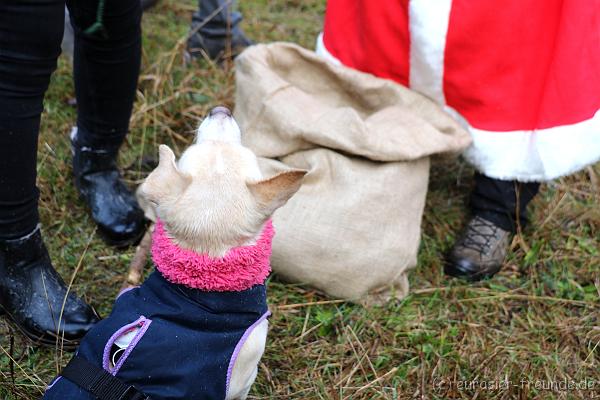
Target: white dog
x,y
197,327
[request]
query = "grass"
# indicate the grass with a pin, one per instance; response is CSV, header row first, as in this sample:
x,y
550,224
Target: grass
x,y
536,323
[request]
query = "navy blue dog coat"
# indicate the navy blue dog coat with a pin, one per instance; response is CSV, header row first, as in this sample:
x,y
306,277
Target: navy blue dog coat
x,y
185,345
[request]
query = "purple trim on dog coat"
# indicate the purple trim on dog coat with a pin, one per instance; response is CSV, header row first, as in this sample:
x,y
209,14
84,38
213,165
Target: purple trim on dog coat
x,y
125,290
142,323
240,344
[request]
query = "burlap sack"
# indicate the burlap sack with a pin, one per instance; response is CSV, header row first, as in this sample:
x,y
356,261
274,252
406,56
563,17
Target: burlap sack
x,y
354,226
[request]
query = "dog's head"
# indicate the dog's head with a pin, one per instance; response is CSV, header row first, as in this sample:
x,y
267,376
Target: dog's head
x,y
215,197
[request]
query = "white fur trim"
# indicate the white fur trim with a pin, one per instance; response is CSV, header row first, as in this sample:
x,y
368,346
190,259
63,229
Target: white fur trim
x,y
527,156
538,155
428,26
323,52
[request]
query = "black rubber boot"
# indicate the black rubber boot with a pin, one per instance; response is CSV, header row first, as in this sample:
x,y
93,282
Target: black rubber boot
x,y
218,48
113,206
32,295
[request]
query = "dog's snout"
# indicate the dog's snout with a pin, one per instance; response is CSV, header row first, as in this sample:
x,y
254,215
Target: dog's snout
x,y
220,110
219,125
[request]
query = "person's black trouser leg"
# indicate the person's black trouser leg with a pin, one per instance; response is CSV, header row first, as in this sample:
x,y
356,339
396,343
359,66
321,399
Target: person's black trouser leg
x,y
106,66
32,294
106,71
221,19
502,202
30,36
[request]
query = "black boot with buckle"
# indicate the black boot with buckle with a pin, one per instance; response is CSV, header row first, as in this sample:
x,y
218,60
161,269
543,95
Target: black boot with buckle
x,y
35,298
113,206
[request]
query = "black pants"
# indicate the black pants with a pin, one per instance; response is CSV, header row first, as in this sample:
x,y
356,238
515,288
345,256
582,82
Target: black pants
x,y
106,68
221,18
502,202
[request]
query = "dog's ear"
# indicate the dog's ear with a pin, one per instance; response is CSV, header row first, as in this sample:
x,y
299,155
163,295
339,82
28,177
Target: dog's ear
x,y
274,192
166,181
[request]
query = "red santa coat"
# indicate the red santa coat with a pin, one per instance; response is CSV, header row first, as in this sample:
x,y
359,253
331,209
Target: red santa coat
x,y
522,75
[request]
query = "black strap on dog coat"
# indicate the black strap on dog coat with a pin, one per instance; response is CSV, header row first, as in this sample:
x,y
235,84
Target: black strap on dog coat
x,y
98,382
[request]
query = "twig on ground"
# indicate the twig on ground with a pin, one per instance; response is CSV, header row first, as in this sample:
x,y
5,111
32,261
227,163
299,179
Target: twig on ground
x,y
310,303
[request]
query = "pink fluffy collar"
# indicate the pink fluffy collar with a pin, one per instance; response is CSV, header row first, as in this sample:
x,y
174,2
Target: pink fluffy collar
x,y
240,269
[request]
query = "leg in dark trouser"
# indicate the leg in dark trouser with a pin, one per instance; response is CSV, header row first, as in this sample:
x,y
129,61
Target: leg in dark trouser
x,y
502,202
31,292
29,47
106,67
498,208
215,27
